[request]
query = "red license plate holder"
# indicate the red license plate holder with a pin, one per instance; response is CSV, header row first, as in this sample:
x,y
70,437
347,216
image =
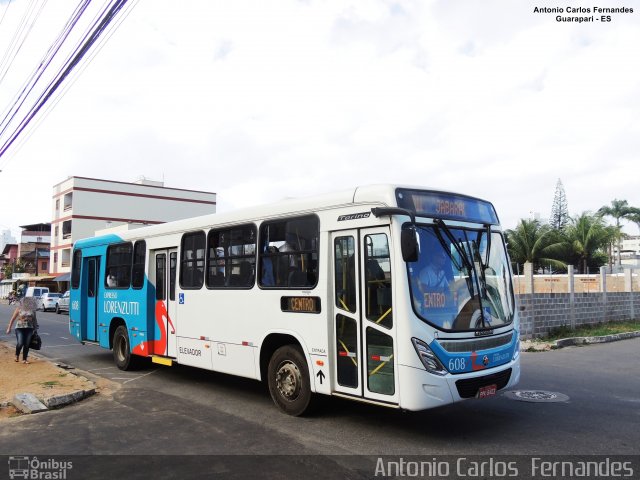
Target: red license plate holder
x,y
487,391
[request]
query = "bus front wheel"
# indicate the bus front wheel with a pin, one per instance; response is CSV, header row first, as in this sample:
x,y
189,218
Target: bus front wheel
x,y
289,384
122,350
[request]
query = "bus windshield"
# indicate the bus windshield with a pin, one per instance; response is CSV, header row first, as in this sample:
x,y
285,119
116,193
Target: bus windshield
x,y
461,280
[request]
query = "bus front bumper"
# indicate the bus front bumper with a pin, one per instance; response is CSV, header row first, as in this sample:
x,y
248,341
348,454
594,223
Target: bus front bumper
x,y
421,390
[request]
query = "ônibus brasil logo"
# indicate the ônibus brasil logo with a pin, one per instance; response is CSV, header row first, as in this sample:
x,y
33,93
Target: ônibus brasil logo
x,y
32,468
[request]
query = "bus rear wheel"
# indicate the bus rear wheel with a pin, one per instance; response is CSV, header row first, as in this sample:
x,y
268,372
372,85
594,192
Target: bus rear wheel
x,y
288,378
122,350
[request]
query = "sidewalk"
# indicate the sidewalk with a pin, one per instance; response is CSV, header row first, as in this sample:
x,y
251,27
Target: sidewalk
x,y
52,385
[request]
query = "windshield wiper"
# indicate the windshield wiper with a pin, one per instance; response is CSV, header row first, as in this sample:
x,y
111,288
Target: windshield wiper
x,y
461,252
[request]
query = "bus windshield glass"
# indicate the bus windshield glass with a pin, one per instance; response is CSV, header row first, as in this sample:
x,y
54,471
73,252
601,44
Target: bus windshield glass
x,y
461,281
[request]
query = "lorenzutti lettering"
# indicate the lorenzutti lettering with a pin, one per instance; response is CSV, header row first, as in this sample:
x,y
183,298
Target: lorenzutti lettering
x,y
195,352
110,294
447,207
604,469
354,216
122,308
434,300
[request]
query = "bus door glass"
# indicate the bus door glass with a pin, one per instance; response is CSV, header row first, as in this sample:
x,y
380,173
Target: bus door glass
x,y
364,327
163,276
90,285
346,319
377,316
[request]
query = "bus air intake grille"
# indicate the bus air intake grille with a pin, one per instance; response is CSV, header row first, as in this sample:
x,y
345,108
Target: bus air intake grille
x,y
476,345
468,388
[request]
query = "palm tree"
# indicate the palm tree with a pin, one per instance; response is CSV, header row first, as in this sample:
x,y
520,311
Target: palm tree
x,y
587,238
619,209
536,243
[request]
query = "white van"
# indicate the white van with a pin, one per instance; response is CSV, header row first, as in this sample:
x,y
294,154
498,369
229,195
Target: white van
x,y
36,292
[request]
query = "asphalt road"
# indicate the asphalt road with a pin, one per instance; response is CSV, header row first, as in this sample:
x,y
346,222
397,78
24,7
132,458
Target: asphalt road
x,y
186,411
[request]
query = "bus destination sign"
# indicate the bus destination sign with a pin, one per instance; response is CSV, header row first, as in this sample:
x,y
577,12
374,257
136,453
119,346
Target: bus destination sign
x,y
447,206
300,304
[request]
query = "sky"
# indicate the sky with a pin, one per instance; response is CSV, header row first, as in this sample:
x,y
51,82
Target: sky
x,y
264,100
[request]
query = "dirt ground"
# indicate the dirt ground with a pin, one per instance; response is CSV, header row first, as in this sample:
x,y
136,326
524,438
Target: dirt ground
x,y
40,377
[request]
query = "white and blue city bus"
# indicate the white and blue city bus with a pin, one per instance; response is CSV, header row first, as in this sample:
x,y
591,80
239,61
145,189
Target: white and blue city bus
x,y
397,296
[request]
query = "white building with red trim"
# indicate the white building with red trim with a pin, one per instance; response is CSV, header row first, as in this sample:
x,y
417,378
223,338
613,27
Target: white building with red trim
x,y
81,206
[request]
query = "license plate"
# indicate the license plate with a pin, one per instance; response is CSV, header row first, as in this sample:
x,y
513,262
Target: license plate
x,y
488,391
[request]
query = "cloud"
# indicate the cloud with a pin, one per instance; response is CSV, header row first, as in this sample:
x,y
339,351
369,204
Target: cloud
x,y
264,100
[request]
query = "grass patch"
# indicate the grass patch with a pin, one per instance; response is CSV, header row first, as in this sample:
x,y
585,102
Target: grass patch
x,y
596,330
50,384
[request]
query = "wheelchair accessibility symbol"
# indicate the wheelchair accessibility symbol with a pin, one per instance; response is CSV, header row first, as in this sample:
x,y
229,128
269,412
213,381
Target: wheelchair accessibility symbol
x,y
181,298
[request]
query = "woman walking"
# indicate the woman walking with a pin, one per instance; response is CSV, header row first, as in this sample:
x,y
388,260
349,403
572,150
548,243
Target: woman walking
x,y
26,323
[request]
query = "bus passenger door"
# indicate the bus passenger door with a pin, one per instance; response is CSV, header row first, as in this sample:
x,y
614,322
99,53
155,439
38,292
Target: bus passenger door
x,y
163,276
378,326
90,284
364,330
346,311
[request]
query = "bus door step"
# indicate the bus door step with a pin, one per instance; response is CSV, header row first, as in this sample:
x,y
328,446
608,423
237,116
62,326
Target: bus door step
x,y
162,360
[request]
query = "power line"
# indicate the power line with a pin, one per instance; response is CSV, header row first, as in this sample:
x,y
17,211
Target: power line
x,y
84,48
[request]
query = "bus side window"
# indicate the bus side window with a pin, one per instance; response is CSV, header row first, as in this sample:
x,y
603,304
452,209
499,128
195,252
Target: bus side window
x,y
231,257
192,260
119,262
345,275
75,269
378,278
289,252
137,271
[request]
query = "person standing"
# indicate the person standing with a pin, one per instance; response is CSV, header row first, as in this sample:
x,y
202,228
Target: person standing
x,y
26,322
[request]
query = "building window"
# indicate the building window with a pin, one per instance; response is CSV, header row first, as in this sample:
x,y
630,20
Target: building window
x,y
68,201
56,232
231,257
192,260
66,257
66,229
289,253
55,258
57,205
118,269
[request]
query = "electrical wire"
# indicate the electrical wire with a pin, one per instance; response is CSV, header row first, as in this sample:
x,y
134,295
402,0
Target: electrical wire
x,y
69,83
90,44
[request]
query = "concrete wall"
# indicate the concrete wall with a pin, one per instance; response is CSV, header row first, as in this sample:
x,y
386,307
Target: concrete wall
x,y
544,311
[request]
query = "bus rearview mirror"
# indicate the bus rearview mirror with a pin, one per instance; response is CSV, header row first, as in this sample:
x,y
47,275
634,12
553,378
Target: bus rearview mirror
x,y
410,244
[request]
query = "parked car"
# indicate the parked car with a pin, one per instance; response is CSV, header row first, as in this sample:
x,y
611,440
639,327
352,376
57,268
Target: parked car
x,y
62,305
49,300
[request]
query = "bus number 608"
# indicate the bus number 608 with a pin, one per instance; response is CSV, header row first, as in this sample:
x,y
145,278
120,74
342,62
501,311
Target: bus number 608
x,y
457,364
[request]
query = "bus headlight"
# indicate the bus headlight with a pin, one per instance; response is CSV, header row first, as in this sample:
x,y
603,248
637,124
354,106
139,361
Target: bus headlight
x,y
428,358
516,351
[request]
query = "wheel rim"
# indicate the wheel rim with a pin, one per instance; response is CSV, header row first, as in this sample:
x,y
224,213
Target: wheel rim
x,y
288,380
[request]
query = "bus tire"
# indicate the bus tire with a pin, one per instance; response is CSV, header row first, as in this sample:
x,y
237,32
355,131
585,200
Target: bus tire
x,y
288,378
122,355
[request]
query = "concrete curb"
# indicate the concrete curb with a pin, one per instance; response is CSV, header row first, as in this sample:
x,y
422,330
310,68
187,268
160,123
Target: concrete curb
x,y
573,341
29,403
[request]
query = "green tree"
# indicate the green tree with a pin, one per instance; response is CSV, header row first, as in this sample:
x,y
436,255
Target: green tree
x,y
559,209
619,210
587,238
536,243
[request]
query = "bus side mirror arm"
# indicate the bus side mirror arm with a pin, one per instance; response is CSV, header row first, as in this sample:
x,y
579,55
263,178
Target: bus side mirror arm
x,y
409,240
